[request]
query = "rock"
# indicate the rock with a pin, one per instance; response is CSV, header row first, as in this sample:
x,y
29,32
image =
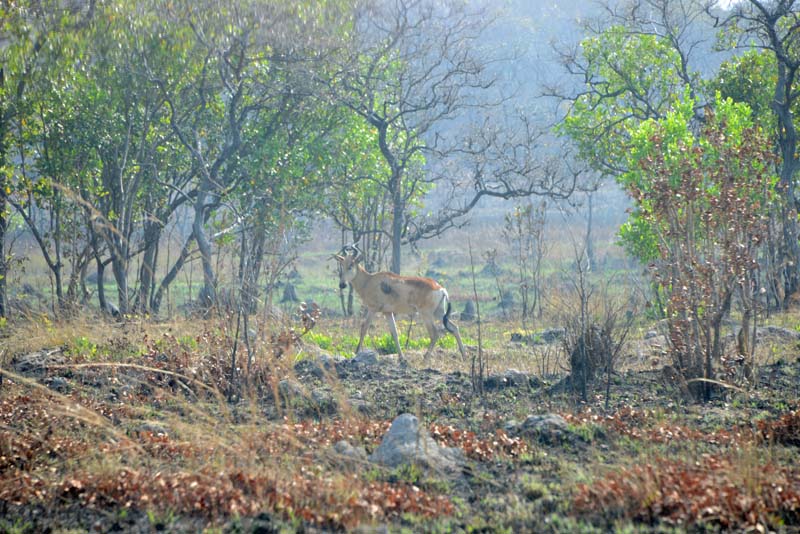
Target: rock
x,y
510,378
365,357
777,332
344,448
309,367
290,389
154,429
650,334
264,524
469,311
407,443
328,362
58,383
548,429
361,406
551,335
36,362
324,401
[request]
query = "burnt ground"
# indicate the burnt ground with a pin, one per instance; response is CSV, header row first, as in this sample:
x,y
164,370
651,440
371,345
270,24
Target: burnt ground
x,y
520,473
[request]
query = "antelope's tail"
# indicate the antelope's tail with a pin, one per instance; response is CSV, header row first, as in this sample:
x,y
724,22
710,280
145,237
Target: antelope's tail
x,y
446,318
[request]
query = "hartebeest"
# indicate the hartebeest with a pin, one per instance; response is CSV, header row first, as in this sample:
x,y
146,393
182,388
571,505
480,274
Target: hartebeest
x,y
391,294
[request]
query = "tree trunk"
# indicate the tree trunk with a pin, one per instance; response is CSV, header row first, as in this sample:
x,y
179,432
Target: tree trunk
x,y
147,271
208,295
398,214
3,205
589,242
119,266
397,232
101,291
781,104
172,274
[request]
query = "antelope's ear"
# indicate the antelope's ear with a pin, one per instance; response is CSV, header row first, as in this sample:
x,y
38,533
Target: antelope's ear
x,y
338,258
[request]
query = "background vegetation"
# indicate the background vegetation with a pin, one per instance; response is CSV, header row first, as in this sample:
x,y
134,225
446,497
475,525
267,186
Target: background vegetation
x,y
607,192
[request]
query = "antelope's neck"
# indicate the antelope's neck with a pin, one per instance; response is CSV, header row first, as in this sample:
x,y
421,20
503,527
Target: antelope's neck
x,y
360,280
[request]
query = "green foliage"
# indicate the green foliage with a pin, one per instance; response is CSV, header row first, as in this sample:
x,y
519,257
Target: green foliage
x,y
631,77
750,78
345,344
703,199
81,346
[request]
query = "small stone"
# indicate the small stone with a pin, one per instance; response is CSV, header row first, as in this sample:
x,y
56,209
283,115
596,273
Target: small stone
x,y
366,357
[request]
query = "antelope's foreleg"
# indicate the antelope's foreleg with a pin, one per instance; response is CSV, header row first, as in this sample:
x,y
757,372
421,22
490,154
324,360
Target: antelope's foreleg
x,y
364,328
393,328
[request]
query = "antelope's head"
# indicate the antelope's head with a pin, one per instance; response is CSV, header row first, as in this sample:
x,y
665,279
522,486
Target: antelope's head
x,y
348,264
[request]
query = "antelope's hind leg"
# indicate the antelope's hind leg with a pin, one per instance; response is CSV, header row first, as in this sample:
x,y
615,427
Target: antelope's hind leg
x,y
451,327
434,334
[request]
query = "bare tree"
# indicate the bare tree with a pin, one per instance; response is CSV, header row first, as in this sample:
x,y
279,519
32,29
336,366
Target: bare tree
x,y
418,74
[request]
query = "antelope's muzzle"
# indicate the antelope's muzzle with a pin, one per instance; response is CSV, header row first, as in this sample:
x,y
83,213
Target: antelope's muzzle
x,y
342,285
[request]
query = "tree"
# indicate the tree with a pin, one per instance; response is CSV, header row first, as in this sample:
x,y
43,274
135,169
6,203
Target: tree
x,y
524,231
773,26
706,199
31,33
252,74
416,72
629,77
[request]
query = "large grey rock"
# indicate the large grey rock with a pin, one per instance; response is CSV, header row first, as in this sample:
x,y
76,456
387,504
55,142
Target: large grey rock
x,y
324,401
407,443
549,429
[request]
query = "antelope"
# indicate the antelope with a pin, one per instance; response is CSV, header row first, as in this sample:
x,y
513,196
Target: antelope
x,y
391,294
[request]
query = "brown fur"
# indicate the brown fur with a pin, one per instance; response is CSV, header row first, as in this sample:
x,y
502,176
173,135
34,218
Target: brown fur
x,y
392,294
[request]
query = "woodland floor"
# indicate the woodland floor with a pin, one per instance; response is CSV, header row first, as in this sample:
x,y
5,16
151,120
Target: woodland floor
x,y
142,431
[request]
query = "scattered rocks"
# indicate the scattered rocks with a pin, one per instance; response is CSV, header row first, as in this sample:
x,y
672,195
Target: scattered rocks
x,y
407,443
545,337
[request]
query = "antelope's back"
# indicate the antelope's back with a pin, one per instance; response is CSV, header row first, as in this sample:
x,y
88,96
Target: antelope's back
x,y
406,294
